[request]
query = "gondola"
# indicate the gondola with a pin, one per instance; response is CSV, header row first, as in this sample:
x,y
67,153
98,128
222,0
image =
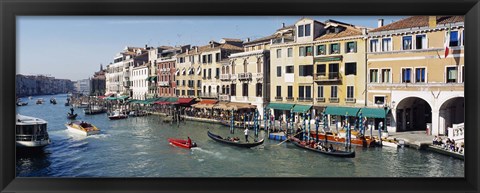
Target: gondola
x,y
71,116
336,153
238,144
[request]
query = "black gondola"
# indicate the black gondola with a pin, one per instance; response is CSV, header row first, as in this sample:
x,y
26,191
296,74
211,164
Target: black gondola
x,y
67,104
71,116
336,153
238,144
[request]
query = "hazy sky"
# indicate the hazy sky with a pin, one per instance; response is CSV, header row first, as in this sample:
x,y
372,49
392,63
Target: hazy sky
x,y
73,47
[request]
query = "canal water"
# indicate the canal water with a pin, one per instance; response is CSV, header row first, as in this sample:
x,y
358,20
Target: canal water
x,y
138,147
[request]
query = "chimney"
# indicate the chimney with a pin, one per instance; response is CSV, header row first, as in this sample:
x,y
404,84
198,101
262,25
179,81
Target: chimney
x,y
364,31
248,40
380,22
283,25
196,48
432,21
146,46
187,50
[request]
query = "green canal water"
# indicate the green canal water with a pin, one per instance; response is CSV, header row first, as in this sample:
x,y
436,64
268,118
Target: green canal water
x,y
138,147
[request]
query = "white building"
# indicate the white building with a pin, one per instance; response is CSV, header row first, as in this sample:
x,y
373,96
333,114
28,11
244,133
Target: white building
x,y
138,76
83,86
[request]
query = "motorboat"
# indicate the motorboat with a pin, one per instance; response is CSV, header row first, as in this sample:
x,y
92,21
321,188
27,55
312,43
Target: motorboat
x,y
31,132
115,115
53,101
181,143
21,103
39,101
82,128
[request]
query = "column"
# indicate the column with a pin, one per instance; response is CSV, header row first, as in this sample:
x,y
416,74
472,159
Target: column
x,y
436,122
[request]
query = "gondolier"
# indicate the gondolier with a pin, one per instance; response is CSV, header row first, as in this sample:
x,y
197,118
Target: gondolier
x,y
246,134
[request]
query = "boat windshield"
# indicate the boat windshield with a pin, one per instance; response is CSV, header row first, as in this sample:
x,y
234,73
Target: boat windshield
x,y
39,129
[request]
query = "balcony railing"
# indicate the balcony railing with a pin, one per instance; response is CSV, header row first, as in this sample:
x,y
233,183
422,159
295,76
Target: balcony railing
x,y
278,98
350,100
245,76
163,83
259,75
224,97
321,99
289,98
304,99
334,100
327,77
191,85
233,77
224,77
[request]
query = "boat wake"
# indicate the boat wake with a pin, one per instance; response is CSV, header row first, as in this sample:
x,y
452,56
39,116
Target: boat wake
x,y
99,136
215,154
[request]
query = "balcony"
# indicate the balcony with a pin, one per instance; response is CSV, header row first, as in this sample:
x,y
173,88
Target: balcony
x,y
259,75
233,77
163,84
224,77
334,100
350,100
224,97
289,98
321,99
191,85
245,76
208,95
278,98
304,99
327,77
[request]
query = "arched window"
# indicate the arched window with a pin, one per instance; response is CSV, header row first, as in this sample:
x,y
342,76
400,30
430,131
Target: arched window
x,y
223,69
228,70
218,89
223,89
259,65
245,65
209,89
233,67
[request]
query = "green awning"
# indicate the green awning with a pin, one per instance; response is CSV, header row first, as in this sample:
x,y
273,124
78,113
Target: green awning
x,y
172,99
154,78
148,78
328,59
280,106
301,108
111,98
350,111
373,112
122,97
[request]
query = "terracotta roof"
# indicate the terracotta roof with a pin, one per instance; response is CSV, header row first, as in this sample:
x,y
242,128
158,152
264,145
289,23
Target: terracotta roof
x,y
263,39
418,21
232,40
208,48
348,31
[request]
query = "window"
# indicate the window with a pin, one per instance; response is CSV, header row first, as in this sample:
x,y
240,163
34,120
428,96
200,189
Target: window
x,y
350,94
406,75
407,42
204,73
199,83
209,73
308,92
217,73
420,75
379,100
178,82
351,47
279,53
463,73
305,70
300,31
279,91
420,42
451,74
279,71
373,75
290,91
301,91
245,89
454,38
301,51
204,59
320,91
309,50
233,90
209,58
183,92
307,30
374,45
385,75
463,37
351,68
217,57
289,69
335,48
321,50
183,83
386,44
333,93
321,69
258,90
290,52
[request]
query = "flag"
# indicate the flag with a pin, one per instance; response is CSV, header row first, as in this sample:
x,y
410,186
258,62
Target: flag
x,y
447,43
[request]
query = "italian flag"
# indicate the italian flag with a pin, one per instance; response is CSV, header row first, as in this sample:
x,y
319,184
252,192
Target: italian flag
x,y
447,43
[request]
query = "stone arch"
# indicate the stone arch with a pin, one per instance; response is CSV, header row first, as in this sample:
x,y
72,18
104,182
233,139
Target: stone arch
x,y
451,111
412,114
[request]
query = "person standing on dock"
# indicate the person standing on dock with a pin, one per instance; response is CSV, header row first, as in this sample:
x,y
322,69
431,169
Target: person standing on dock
x,y
246,134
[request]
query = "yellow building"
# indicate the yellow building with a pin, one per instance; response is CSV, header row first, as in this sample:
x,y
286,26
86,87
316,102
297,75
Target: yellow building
x,y
409,74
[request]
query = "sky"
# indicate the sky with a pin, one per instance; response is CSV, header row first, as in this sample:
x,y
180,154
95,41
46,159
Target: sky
x,y
74,47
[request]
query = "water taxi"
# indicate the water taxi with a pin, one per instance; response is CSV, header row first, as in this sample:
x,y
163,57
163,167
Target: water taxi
x,y
31,132
39,101
115,115
82,127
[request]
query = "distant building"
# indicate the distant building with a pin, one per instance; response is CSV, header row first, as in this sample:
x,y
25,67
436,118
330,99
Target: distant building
x,y
166,69
28,85
97,83
83,86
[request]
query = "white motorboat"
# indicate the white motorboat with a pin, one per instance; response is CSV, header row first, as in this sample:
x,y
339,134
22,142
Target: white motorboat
x,y
31,132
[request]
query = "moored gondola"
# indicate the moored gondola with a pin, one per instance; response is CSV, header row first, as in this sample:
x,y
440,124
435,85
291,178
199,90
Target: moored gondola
x,y
336,153
234,143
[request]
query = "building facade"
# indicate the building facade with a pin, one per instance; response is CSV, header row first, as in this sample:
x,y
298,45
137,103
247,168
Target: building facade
x,y
166,69
409,73
98,83
83,86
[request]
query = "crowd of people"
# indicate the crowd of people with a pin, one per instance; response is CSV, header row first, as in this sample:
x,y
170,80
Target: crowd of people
x,y
319,145
449,144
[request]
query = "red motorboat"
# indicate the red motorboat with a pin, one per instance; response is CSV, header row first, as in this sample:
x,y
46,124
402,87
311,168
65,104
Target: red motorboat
x,y
181,143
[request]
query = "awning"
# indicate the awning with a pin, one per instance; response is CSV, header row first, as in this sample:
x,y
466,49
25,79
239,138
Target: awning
x,y
122,97
148,78
184,101
280,106
172,99
301,108
111,98
205,103
237,106
373,112
221,105
176,72
199,70
350,111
